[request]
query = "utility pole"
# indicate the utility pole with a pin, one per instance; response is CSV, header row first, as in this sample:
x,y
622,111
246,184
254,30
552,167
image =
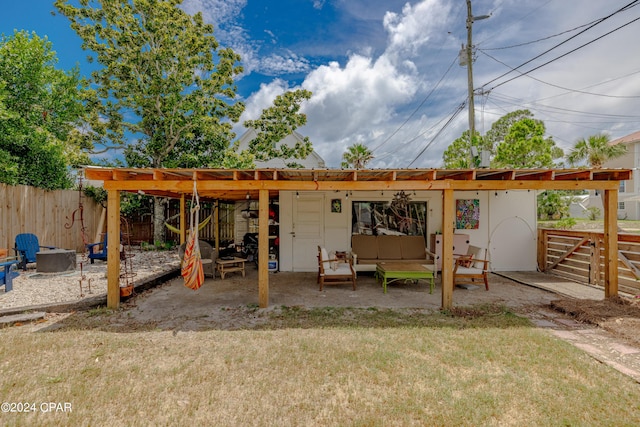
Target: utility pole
x,y
469,51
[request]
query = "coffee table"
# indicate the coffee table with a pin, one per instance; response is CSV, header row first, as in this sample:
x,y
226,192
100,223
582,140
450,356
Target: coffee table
x,y
224,266
391,271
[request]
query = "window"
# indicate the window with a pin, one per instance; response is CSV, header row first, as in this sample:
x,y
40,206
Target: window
x,y
623,185
398,217
621,206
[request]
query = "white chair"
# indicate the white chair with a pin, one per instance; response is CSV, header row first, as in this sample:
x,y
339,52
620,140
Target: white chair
x,y
332,271
470,269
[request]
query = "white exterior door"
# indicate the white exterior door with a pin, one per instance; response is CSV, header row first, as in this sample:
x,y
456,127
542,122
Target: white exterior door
x,y
308,231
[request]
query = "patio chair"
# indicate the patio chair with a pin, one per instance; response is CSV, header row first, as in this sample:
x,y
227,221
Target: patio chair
x,y
470,269
98,250
6,273
26,247
208,254
332,271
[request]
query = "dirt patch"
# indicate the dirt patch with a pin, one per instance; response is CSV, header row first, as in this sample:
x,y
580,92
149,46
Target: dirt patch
x,y
620,316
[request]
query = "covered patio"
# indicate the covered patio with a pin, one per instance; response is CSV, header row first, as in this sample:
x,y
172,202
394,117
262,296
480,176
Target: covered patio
x,y
266,184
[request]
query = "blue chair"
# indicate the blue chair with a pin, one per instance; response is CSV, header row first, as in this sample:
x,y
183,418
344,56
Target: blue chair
x,y
101,253
26,247
7,275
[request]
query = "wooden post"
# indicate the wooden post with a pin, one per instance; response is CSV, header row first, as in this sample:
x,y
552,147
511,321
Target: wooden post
x,y
183,220
100,227
216,224
594,259
263,249
543,246
113,249
448,220
610,243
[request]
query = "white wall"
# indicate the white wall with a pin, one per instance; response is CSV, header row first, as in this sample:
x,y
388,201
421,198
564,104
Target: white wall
x,y
507,224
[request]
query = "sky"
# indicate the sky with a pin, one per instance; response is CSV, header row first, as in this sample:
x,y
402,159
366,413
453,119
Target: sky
x,y
386,73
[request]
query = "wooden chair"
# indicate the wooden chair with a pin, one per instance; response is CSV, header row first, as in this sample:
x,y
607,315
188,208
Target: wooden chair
x,y
334,271
469,269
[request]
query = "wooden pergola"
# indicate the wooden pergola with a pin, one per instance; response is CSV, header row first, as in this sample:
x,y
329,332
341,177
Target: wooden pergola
x,y
265,184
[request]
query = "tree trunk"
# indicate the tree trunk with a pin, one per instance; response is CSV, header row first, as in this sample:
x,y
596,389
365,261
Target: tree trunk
x,y
158,220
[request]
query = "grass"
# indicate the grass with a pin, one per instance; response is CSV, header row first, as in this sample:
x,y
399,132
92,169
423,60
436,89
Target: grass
x,y
332,366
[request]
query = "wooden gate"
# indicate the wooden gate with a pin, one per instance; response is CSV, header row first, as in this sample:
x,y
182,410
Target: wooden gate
x,y
579,255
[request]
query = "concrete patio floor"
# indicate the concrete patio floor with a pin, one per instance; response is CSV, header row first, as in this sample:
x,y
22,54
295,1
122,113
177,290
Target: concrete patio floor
x,y
300,289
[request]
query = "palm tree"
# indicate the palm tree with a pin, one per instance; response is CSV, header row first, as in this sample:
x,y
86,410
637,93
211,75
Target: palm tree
x,y
595,150
356,157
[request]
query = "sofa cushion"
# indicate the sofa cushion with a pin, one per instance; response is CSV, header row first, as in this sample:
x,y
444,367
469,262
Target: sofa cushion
x,y
364,246
389,247
413,247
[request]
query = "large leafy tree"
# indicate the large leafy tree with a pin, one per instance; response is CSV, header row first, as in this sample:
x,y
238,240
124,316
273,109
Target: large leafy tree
x,y
516,140
356,157
458,154
41,110
166,83
525,146
595,150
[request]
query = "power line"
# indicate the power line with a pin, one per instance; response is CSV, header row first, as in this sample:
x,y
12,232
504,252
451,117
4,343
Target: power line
x,y
453,116
557,86
418,107
516,101
398,147
540,40
564,54
632,4
514,22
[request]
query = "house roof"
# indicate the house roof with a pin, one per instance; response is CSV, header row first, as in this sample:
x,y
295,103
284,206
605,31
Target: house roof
x,y
634,137
235,184
313,160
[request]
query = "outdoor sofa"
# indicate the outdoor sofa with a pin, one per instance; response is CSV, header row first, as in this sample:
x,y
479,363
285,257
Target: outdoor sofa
x,y
367,251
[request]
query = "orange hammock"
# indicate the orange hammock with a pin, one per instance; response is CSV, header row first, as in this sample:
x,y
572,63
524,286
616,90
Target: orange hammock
x,y
192,262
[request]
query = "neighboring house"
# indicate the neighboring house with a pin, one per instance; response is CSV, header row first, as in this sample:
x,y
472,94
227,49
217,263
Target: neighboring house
x,y
629,195
313,160
244,221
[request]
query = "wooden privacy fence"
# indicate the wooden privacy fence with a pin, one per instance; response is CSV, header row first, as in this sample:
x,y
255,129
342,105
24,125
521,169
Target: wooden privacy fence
x,y
579,255
53,216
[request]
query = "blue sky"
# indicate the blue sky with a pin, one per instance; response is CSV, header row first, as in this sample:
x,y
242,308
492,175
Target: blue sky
x,y
385,73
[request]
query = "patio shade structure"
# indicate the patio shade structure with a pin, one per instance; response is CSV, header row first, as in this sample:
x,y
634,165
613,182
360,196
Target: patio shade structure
x,y
265,184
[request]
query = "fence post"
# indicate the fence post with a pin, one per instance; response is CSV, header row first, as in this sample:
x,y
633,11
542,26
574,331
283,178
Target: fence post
x,y
542,249
596,248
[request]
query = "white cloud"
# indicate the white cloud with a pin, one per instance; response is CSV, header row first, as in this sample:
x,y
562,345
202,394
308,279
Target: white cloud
x,y
260,100
224,14
216,12
276,64
358,102
318,4
414,27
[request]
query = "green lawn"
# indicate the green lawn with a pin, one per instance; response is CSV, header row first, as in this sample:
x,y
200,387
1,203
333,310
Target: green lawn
x,y
355,367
